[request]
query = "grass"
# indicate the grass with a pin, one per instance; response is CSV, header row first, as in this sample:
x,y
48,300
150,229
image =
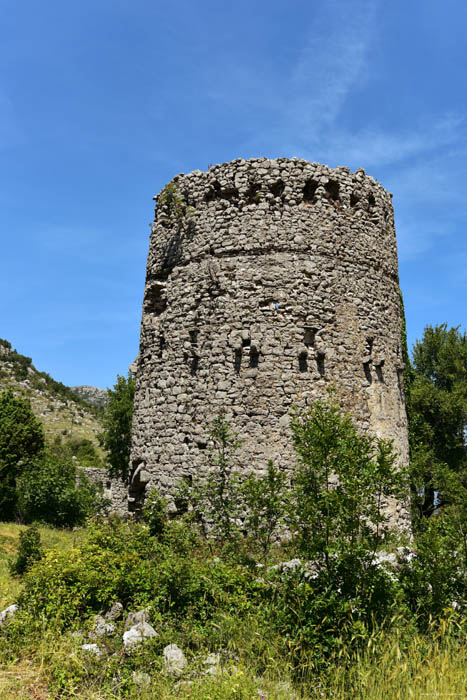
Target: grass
x,y
9,541
399,663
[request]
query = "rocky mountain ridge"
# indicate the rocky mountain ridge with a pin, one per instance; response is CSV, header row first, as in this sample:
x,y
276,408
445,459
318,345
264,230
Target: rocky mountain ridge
x,y
63,412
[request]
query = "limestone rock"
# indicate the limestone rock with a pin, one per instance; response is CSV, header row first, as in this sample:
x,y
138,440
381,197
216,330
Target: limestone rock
x,y
174,659
92,649
137,634
135,618
8,613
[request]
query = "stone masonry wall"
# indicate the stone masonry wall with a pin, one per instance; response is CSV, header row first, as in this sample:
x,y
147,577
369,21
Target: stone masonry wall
x,y
114,490
268,282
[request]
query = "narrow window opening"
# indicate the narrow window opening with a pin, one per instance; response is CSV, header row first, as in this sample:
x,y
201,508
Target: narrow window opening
x,y
194,365
309,191
238,361
303,362
371,201
246,344
332,189
194,337
309,337
320,363
277,188
108,484
254,357
367,371
161,344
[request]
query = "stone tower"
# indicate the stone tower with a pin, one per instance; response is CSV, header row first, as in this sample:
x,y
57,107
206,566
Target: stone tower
x,y
268,281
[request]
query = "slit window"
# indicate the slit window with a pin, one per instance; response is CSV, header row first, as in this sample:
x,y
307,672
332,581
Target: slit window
x,y
254,357
320,363
367,371
303,362
238,361
194,365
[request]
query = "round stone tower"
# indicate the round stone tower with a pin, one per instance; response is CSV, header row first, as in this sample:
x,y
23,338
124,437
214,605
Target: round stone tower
x,y
268,281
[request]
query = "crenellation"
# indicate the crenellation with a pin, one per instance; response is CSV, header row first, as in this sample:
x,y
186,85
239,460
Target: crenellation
x,y
271,282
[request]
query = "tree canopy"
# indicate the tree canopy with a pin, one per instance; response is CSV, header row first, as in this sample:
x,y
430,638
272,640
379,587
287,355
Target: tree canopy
x,y
438,412
21,439
116,436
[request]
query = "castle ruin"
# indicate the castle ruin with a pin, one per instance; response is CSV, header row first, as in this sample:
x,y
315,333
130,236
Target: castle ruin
x,y
268,281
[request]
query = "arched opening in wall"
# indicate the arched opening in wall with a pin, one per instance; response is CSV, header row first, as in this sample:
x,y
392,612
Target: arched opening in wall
x,y
367,371
238,361
332,190
303,362
320,363
253,194
309,191
277,188
309,336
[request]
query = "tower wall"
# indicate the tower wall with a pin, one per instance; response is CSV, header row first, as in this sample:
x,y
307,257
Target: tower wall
x,y
268,281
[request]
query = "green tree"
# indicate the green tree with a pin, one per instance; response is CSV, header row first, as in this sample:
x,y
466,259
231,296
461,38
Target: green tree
x,y
116,436
340,485
438,414
21,439
50,490
265,500
216,499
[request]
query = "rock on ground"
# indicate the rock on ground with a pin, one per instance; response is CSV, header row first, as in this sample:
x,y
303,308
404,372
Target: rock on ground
x,y
174,659
138,634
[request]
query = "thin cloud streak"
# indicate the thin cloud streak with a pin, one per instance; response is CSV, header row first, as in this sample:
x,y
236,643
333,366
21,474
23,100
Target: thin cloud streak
x,y
331,63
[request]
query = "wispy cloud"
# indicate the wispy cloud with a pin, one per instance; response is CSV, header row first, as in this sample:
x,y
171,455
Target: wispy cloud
x,y
331,62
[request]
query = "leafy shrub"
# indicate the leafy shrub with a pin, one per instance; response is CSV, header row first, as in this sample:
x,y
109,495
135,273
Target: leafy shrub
x,y
29,551
435,579
21,439
340,484
155,513
50,491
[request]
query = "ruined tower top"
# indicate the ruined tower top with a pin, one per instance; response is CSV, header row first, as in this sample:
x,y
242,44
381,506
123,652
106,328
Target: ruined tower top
x,y
267,282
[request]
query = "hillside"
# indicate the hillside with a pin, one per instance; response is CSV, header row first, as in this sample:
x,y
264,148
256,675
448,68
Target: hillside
x,y
62,412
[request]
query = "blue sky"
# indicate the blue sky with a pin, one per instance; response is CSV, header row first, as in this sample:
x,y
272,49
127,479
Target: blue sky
x,y
104,101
